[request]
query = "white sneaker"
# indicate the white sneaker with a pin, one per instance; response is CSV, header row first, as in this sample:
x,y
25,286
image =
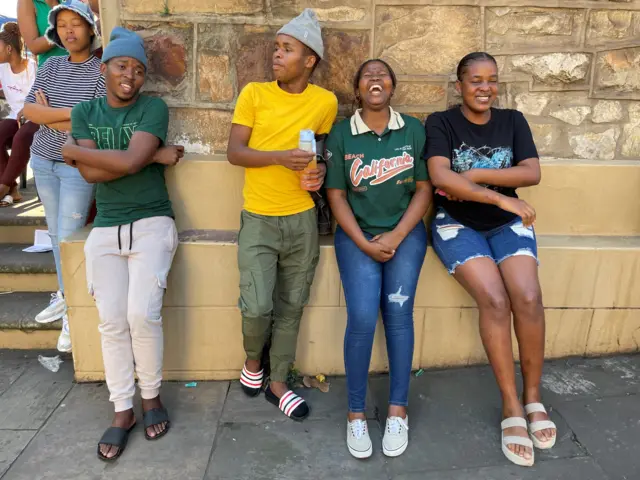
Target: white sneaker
x,y
358,440
396,436
56,309
64,340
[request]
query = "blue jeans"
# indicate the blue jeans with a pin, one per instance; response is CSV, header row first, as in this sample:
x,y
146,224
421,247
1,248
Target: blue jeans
x,y
66,197
369,287
456,244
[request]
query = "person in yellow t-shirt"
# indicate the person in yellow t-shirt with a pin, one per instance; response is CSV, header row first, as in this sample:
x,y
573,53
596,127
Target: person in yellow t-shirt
x,y
278,239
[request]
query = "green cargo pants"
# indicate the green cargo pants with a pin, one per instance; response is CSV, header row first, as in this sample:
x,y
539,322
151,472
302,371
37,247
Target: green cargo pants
x,y
277,259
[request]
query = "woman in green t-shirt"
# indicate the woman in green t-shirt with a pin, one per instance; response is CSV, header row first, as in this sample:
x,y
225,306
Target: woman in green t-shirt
x,y
33,18
379,192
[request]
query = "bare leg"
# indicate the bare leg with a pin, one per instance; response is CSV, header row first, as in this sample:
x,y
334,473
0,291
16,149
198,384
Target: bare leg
x,y
481,278
520,274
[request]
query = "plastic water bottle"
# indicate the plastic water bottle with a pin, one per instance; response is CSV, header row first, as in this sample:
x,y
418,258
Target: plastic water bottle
x,y
307,143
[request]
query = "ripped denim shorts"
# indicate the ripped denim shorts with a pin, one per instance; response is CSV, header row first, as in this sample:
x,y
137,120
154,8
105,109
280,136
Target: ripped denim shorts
x,y
456,244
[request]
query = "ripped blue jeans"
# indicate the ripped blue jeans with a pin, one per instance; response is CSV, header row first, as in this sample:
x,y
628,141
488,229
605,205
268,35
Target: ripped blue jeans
x,y
67,199
371,287
456,244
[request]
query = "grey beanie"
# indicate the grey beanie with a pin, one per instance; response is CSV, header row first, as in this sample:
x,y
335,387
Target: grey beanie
x,y
306,29
81,9
125,43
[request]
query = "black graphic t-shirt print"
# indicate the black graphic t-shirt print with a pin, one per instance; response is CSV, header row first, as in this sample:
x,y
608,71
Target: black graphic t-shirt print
x,y
503,142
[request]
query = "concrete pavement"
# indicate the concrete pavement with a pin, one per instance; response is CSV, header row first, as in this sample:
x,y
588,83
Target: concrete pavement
x,y
49,428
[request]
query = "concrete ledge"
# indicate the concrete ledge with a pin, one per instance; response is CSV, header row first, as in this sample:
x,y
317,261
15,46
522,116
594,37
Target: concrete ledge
x,y
590,308
575,272
575,197
205,343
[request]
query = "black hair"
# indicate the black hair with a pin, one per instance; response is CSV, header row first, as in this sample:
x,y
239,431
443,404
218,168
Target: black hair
x,y
358,76
309,52
10,34
473,57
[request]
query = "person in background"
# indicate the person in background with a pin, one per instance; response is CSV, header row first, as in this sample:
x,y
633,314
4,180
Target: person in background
x,y
117,142
379,192
278,239
483,234
17,75
62,83
33,18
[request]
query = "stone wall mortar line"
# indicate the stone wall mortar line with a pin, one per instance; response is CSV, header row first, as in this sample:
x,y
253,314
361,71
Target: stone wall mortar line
x,y
372,47
576,4
269,9
110,17
592,73
585,26
194,70
219,20
547,51
483,28
223,107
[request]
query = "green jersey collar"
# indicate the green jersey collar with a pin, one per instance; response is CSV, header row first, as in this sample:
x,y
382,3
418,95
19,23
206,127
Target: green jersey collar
x,y
358,127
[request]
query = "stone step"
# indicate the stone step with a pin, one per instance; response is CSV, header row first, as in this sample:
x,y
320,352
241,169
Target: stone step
x,y
26,272
575,197
19,309
18,328
19,221
587,282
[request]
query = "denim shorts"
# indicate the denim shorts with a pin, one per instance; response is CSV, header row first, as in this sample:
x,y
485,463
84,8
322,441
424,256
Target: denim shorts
x,y
456,244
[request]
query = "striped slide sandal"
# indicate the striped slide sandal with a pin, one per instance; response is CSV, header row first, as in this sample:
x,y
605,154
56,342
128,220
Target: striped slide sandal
x,y
251,382
290,404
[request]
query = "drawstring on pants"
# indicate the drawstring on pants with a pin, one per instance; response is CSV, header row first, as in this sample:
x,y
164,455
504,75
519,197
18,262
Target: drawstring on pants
x,y
130,237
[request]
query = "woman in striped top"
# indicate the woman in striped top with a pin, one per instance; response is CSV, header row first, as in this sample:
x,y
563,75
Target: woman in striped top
x,y
61,83
33,18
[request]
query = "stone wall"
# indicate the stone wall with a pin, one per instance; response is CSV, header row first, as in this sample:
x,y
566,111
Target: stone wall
x,y
573,67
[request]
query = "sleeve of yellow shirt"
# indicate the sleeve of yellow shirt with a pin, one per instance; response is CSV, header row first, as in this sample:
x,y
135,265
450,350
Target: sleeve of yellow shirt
x,y
245,112
332,112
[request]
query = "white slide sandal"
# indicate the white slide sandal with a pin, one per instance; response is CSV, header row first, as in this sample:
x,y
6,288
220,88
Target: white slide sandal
x,y
540,425
6,201
512,440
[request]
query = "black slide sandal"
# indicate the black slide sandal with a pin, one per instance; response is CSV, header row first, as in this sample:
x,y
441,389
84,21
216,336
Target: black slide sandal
x,y
292,405
156,416
116,437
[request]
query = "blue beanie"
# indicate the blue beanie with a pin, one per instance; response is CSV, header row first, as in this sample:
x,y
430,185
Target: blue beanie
x,y
125,43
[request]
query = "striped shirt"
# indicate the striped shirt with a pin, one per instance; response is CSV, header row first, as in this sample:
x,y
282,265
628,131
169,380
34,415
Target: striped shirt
x,y
65,84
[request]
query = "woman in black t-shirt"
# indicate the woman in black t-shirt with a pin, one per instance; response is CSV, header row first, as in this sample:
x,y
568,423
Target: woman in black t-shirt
x,y
477,157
